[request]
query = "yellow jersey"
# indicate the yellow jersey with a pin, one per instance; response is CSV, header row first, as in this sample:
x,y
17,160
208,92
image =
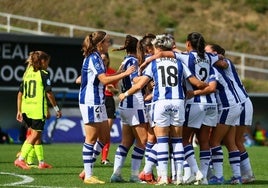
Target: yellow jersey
x,y
34,87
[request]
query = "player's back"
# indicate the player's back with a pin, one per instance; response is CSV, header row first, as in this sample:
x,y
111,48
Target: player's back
x,y
168,77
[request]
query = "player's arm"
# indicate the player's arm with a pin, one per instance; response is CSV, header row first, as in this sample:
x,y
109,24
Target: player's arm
x,y
198,83
49,93
53,102
156,56
19,100
114,78
211,88
136,87
78,80
221,64
112,88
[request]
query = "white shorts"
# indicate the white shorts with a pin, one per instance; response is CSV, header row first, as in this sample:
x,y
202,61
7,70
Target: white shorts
x,y
201,114
229,116
93,114
149,111
168,112
246,115
132,116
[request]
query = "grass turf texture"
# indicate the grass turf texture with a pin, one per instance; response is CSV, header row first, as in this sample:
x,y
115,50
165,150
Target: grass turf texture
x,y
67,164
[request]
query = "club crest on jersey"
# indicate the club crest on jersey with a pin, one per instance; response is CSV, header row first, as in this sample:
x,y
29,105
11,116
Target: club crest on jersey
x,y
98,66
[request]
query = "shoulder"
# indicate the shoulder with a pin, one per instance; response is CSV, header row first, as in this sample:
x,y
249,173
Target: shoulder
x,y
130,60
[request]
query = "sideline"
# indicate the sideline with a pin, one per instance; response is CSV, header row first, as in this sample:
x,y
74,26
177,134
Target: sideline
x,y
25,179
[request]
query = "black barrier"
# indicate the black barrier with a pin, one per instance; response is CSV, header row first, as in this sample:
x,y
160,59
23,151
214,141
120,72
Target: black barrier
x,y
64,68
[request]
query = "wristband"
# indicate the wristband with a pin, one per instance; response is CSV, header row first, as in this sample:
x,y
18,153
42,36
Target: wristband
x,y
56,108
126,94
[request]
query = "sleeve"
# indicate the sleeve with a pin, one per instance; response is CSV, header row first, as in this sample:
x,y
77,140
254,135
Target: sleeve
x,y
136,72
176,55
46,80
148,70
212,75
98,65
186,72
214,58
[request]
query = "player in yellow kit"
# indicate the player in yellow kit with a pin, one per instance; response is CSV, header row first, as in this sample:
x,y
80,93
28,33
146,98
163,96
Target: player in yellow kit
x,y
32,108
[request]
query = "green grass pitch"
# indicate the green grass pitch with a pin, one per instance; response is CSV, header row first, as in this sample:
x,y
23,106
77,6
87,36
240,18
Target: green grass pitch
x,y
67,164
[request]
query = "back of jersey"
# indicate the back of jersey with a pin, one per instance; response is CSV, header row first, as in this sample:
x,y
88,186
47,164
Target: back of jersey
x,y
202,69
136,100
168,77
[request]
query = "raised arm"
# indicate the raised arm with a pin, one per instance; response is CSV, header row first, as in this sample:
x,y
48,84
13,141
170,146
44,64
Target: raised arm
x,y
156,56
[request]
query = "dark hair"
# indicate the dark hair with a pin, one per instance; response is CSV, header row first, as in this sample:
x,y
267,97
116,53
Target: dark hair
x,y
90,42
143,44
198,43
217,48
130,45
35,59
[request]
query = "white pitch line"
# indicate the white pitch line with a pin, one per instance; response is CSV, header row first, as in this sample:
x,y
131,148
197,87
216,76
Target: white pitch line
x,y
25,179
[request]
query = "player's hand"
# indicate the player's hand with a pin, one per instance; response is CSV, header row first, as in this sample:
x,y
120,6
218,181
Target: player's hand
x,y
19,117
130,70
48,114
121,96
59,114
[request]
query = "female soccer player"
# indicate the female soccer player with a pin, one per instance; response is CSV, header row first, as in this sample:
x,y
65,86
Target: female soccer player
x,y
32,106
133,118
168,104
91,99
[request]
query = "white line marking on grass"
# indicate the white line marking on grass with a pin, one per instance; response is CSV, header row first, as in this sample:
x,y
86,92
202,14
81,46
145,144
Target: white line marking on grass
x,y
25,179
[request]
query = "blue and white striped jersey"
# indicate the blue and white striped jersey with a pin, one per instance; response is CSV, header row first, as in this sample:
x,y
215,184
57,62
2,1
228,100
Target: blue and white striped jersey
x,y
226,95
202,69
235,80
135,100
168,75
91,89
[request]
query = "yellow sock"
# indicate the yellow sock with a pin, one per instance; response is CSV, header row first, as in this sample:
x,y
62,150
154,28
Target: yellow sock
x,y
31,156
39,152
25,149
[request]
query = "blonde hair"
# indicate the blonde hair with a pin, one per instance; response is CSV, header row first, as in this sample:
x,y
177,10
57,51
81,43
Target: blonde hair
x,y
90,42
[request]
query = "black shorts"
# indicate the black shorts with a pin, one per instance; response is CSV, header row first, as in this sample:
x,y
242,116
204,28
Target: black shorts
x,y
35,124
110,107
